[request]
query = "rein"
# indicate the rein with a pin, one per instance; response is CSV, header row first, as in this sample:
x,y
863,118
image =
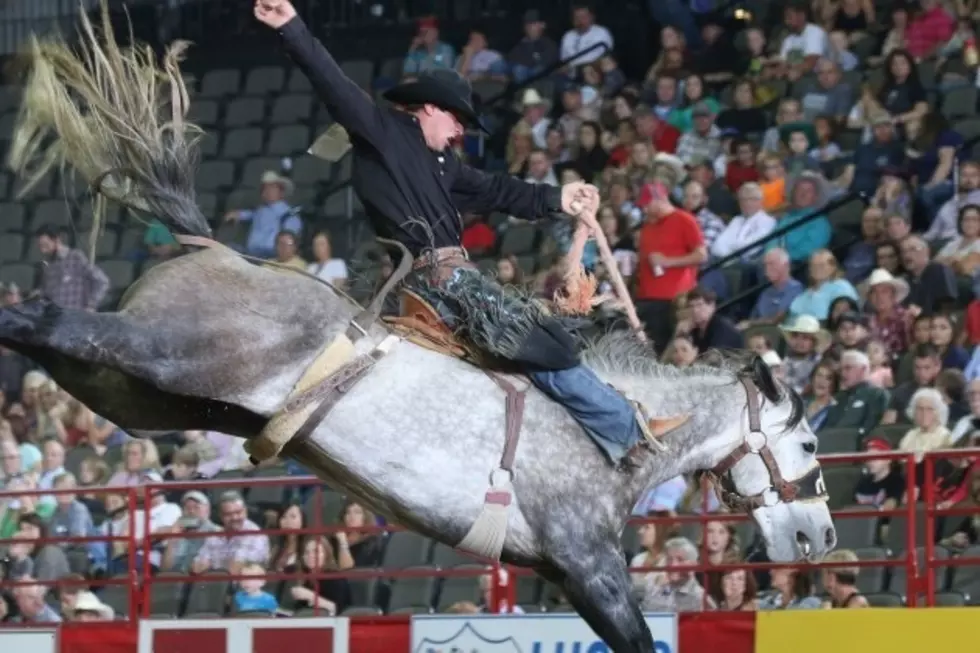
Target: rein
x,y
809,486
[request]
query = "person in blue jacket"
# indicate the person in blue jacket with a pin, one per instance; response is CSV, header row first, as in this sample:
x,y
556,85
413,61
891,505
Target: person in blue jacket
x,y
809,192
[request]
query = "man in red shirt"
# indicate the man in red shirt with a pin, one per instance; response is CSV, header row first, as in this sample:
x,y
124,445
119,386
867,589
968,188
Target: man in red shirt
x,y
670,250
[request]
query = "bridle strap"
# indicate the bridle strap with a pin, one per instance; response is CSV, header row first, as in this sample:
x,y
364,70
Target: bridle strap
x,y
787,491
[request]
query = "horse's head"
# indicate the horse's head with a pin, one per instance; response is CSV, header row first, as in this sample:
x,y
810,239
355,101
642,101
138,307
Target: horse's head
x,y
772,472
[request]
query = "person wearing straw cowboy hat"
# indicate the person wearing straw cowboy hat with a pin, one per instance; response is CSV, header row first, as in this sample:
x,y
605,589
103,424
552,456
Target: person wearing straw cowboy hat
x,y
806,342
414,189
889,321
271,217
88,607
534,109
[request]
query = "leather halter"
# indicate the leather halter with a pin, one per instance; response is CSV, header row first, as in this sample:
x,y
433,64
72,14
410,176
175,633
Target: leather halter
x,y
808,486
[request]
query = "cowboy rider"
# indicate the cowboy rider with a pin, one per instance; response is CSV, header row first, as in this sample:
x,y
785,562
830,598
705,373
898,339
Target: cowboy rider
x,y
413,188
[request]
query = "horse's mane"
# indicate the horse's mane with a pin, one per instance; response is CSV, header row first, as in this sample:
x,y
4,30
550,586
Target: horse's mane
x,y
621,352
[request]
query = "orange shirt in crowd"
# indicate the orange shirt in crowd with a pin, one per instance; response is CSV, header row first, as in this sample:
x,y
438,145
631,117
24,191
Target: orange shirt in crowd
x,y
773,194
676,234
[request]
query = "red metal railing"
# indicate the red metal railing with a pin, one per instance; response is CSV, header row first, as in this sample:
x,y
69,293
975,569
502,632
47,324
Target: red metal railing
x,y
140,579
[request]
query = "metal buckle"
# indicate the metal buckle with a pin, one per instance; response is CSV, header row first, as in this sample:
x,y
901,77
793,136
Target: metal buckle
x,y
752,441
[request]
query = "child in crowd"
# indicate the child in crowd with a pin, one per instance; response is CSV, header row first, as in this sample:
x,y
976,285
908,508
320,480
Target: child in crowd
x,y
881,370
251,598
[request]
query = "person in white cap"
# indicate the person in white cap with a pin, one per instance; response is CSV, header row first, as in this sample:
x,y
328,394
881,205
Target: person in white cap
x,y
269,218
88,607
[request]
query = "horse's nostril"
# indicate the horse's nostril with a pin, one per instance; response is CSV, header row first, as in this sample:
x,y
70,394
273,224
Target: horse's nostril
x,y
803,542
830,537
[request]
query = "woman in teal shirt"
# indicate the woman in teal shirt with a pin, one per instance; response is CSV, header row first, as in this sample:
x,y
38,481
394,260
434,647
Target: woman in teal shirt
x,y
827,283
681,118
808,193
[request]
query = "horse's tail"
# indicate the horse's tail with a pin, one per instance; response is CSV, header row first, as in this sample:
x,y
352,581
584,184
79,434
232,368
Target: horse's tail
x,y
115,117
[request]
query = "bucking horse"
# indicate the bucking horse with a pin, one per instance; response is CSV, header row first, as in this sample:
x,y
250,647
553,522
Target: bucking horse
x,y
400,413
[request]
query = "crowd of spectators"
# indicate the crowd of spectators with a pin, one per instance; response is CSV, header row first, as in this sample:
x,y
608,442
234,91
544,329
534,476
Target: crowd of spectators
x,y
754,127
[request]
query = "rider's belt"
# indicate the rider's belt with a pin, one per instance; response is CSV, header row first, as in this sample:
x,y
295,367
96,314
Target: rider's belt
x,y
440,256
441,262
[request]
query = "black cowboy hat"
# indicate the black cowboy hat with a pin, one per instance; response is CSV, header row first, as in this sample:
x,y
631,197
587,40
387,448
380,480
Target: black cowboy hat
x,y
444,88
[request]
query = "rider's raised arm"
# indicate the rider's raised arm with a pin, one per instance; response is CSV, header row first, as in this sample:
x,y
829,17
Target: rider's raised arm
x,y
478,192
347,102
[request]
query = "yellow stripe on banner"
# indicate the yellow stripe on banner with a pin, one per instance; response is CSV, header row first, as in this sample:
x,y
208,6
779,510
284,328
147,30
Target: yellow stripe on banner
x,y
871,630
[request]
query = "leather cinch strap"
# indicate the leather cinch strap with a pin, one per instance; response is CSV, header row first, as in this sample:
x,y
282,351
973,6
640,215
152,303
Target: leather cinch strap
x,y
514,420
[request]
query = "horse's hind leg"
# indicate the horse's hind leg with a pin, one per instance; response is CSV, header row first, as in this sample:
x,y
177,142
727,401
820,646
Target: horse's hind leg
x,y
122,370
598,586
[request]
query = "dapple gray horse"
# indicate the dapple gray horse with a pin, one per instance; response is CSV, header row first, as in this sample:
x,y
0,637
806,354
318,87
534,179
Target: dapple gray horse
x,y
210,341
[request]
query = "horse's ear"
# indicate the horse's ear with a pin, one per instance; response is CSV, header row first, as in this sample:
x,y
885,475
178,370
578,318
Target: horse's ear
x,y
762,375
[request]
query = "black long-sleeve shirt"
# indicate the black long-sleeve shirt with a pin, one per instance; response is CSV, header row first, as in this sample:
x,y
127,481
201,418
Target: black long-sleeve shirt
x,y
398,178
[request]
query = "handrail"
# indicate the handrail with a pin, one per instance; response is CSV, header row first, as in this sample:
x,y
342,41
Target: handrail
x,y
141,581
779,232
512,88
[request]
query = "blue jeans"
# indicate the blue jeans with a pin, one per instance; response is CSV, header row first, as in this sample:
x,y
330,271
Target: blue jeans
x,y
607,417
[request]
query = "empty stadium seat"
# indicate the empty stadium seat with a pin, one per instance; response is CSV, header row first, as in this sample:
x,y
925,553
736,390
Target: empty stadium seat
x,y
244,112
454,589
898,577
406,549
208,594
167,595
840,479
857,532
309,170
289,140
884,600
291,109
413,592
212,175
22,274
11,248
844,440
14,217
966,579
50,212
242,143
121,273
298,82
131,241
445,557
203,112
105,245
265,80
220,83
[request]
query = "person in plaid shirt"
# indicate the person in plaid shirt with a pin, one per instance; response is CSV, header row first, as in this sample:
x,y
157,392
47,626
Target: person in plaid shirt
x,y
69,279
233,548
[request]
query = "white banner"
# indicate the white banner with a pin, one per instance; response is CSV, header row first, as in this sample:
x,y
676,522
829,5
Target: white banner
x,y
29,640
530,633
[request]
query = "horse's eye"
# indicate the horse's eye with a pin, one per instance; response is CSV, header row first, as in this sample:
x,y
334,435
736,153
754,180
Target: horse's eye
x,y
810,447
